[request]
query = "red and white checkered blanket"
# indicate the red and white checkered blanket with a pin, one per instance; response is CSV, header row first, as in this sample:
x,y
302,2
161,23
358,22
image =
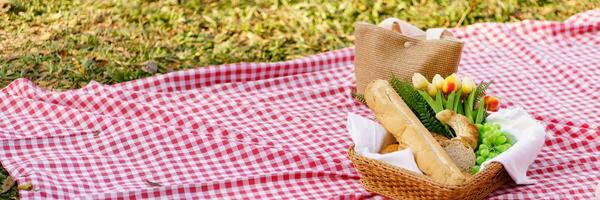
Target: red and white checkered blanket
x,y
277,130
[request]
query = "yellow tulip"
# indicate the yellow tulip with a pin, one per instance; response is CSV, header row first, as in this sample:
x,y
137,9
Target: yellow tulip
x,y
457,81
419,81
467,85
431,90
438,81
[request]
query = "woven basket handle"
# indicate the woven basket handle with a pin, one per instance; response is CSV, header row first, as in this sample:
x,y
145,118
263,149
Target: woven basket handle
x,y
437,33
412,31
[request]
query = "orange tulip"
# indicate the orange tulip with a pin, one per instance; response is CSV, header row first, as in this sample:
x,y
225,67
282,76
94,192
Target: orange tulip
x,y
492,103
449,85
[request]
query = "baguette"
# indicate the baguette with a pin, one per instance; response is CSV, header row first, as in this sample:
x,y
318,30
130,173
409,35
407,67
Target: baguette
x,y
397,118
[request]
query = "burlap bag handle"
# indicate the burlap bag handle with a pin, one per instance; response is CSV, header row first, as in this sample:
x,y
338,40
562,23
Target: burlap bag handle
x,y
381,52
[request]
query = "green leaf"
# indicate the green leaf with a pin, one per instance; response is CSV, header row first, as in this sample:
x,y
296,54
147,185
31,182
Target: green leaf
x,y
430,101
485,115
457,99
450,101
359,97
420,107
460,109
473,100
480,91
469,107
439,101
444,101
480,112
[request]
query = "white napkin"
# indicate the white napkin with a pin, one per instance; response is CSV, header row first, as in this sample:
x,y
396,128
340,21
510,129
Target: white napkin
x,y
529,135
370,137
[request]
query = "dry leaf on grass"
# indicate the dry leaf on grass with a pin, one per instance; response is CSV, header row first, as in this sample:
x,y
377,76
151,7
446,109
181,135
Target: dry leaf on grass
x,y
63,54
150,67
100,60
4,6
44,36
7,184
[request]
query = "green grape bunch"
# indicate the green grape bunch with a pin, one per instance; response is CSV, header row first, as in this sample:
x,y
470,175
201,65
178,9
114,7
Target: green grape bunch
x,y
492,141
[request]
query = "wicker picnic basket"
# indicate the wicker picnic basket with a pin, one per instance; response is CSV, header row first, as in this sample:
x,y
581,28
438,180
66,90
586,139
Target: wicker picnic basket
x,y
398,183
381,53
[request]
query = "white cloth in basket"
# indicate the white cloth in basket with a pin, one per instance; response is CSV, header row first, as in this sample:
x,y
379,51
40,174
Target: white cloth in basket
x,y
530,136
369,137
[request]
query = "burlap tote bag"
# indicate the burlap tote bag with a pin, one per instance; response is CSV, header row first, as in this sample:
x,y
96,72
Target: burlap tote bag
x,y
381,52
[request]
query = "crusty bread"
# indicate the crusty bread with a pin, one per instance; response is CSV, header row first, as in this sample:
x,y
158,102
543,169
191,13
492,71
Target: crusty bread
x,y
397,118
440,138
463,156
392,148
389,148
465,131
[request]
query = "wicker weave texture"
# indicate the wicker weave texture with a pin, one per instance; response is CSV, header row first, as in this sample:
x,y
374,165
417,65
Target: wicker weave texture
x,y
398,183
381,53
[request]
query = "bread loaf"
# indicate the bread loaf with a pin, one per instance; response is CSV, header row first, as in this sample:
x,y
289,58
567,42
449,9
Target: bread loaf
x,y
466,132
392,148
397,118
462,155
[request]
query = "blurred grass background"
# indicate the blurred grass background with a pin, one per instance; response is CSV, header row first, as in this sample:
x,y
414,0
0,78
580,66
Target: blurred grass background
x,y
65,44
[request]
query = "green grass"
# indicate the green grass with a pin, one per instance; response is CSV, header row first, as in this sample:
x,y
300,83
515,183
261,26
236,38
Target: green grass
x,y
65,44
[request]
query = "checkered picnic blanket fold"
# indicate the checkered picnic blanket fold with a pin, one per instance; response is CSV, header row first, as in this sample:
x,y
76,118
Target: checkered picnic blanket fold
x,y
277,130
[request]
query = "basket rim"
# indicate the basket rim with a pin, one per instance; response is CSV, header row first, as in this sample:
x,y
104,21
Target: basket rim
x,y
396,34
490,168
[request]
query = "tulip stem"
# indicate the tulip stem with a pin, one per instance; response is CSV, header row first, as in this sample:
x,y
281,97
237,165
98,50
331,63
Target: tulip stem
x,y
469,107
480,112
456,99
450,101
439,101
430,101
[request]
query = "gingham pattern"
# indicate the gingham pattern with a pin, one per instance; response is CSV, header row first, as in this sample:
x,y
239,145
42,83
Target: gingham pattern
x,y
277,130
